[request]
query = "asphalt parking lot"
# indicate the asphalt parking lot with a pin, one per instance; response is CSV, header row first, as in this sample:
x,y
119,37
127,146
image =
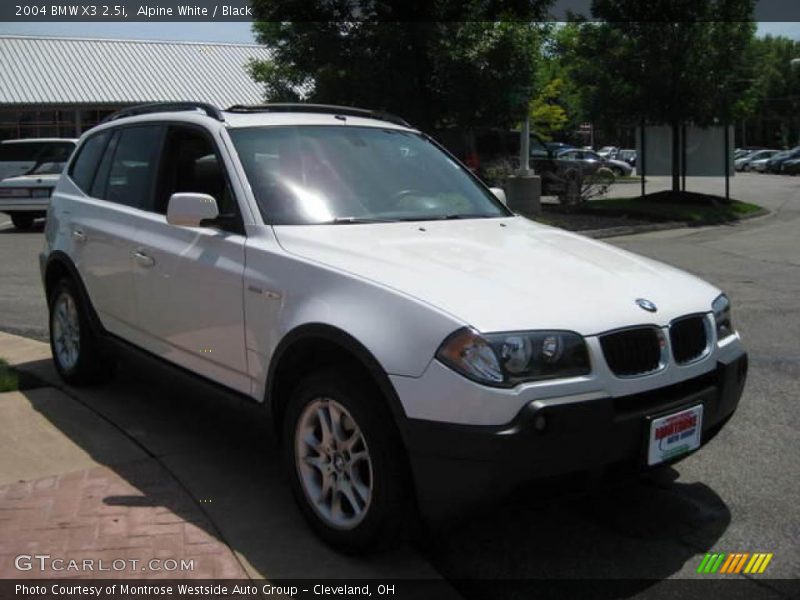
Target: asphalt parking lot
x,y
740,494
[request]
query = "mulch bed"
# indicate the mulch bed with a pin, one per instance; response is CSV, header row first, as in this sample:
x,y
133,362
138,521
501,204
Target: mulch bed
x,y
574,220
583,218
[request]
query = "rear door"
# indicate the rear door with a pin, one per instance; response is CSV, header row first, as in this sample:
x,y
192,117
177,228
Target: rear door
x,y
189,280
115,171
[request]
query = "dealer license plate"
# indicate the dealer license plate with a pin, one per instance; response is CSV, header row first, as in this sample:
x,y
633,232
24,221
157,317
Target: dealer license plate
x,y
675,434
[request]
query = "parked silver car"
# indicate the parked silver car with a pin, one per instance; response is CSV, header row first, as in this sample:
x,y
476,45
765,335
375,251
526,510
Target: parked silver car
x,y
744,163
590,161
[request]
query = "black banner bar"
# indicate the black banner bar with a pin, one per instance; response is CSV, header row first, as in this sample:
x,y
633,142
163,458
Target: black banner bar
x,y
712,587
240,10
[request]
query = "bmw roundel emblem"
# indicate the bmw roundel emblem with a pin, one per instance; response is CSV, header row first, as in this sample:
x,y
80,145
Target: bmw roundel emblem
x,y
646,305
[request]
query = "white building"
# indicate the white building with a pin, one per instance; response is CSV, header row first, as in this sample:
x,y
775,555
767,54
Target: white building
x,y
59,87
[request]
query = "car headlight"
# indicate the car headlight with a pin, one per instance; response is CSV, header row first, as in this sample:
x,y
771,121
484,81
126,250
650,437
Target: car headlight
x,y
41,192
722,316
506,359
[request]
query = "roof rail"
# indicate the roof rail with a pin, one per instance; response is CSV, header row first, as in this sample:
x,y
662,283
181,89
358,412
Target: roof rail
x,y
144,109
319,108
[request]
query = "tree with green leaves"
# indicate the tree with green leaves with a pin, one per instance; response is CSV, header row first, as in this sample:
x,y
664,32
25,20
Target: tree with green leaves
x,y
777,86
557,109
548,114
667,62
455,64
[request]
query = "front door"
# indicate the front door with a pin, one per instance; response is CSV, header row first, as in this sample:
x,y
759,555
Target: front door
x,y
189,280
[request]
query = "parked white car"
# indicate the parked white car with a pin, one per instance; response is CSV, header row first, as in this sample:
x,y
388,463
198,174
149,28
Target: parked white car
x,y
18,157
26,194
608,151
414,343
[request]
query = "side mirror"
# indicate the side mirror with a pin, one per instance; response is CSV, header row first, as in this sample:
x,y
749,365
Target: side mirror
x,y
499,194
190,209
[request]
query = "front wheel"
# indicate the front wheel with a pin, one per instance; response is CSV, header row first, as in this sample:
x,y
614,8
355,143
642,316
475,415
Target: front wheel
x,y
345,461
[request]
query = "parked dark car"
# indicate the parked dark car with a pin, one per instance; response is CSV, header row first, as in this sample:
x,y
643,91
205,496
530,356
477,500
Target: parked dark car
x,y
493,154
791,167
774,164
556,147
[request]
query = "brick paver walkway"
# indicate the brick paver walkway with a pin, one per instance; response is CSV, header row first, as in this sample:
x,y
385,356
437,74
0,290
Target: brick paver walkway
x,y
133,512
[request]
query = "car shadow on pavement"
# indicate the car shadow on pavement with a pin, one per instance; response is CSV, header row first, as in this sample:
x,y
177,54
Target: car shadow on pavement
x,y
220,450
617,537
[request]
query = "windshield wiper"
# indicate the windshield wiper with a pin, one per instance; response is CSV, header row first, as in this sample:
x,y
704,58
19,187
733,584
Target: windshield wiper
x,y
355,220
454,216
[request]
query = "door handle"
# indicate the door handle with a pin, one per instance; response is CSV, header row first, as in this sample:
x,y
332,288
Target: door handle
x,y
78,235
143,259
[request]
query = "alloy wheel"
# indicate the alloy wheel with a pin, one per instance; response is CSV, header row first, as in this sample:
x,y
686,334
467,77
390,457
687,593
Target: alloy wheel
x,y
65,325
333,463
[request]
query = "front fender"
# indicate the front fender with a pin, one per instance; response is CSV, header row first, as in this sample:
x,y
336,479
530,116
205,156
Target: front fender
x,y
283,292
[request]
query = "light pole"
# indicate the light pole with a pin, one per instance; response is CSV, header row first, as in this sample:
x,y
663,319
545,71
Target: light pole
x,y
794,64
525,147
524,188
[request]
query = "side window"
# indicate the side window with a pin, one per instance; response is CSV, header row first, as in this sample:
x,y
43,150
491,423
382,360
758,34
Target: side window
x,y
191,164
133,166
84,166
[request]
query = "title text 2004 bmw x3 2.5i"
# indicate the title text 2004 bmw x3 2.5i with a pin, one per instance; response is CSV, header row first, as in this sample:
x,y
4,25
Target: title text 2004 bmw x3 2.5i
x,y
413,341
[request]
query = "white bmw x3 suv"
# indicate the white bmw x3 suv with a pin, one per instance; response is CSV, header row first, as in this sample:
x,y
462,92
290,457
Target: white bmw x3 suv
x,y
415,344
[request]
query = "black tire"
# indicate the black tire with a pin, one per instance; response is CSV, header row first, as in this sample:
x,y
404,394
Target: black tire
x,y
22,220
617,171
92,364
391,502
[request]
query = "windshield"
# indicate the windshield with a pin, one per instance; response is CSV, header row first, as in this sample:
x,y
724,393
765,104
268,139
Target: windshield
x,y
48,157
339,174
20,151
48,168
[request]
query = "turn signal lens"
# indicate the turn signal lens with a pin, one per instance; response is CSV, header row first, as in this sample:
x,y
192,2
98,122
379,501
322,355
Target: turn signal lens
x,y
722,316
467,352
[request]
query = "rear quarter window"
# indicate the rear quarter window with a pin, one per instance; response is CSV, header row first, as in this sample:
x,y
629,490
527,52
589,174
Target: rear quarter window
x,y
132,169
84,166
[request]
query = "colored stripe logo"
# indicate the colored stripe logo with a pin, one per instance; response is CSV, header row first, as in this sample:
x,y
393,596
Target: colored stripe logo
x,y
735,562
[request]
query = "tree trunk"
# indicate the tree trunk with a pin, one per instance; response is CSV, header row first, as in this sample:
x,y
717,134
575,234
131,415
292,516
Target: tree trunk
x,y
676,157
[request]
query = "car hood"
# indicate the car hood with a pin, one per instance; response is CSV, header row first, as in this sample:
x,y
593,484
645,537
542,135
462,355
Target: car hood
x,y
617,162
31,181
505,274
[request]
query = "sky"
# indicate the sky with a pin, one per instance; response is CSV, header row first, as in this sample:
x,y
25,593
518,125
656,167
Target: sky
x,y
232,32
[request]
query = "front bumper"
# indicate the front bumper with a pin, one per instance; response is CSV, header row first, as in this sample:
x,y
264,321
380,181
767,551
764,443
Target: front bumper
x,y
455,466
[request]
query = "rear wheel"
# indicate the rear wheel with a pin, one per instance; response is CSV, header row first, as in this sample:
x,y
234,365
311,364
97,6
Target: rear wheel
x,y
76,350
345,461
22,220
